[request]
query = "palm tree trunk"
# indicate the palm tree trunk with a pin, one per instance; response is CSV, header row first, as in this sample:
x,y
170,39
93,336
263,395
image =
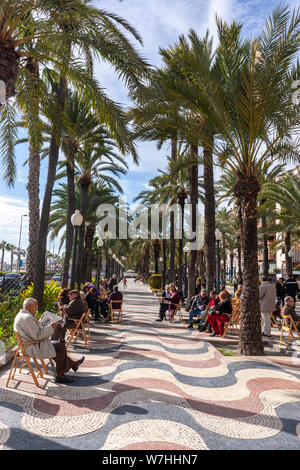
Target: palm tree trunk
x,y
250,340
39,272
33,185
84,188
164,269
34,210
90,232
2,258
224,256
209,216
193,181
201,263
181,200
12,259
69,228
172,221
231,264
287,247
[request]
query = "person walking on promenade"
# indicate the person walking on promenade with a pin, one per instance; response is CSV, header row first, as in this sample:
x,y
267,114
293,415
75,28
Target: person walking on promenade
x,y
124,281
267,301
291,287
112,282
280,290
235,283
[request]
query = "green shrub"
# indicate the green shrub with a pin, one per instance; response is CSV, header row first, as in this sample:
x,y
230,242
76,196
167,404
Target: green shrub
x,y
155,281
51,291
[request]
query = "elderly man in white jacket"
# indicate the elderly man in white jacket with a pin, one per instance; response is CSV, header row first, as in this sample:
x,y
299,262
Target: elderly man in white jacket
x,y
267,301
30,329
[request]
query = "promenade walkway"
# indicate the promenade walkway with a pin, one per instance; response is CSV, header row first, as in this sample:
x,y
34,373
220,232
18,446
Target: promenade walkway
x,y
150,385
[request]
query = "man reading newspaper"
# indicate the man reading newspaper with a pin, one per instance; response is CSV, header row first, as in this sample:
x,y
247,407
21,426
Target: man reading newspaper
x,y
31,329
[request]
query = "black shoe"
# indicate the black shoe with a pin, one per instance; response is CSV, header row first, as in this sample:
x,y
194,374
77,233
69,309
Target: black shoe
x,y
158,319
268,336
214,334
75,368
63,380
190,325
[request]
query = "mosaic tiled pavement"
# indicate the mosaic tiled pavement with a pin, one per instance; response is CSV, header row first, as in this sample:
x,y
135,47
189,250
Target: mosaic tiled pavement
x,y
149,385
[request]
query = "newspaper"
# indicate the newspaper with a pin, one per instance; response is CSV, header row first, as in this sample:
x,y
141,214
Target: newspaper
x,y
49,317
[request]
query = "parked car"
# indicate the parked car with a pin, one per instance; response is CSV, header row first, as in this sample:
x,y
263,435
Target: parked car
x,y
57,277
11,282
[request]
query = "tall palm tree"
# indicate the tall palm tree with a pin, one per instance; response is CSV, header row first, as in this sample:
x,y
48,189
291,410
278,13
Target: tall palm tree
x,y
3,247
256,123
93,32
99,193
284,193
81,129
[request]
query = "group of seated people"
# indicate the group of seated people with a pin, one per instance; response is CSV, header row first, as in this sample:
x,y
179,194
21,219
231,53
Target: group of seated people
x,y
214,311
96,300
51,338
169,301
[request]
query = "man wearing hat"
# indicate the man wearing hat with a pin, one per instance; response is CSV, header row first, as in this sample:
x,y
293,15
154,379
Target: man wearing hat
x,y
74,309
198,306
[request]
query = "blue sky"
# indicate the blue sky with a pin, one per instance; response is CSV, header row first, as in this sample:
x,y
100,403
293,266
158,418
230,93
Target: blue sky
x,y
159,22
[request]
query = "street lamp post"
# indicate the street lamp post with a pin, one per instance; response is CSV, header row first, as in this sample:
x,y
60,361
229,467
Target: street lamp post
x,y
185,293
291,255
109,270
114,264
100,243
76,220
19,255
218,235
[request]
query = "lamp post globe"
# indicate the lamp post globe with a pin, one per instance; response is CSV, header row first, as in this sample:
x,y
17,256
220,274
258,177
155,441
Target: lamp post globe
x,y
76,220
100,243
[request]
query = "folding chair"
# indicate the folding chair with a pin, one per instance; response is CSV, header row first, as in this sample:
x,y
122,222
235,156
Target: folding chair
x,y
87,322
174,312
79,328
274,321
234,319
21,355
288,325
112,310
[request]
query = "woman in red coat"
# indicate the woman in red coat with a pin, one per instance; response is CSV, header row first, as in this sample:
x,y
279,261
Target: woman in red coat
x,y
221,314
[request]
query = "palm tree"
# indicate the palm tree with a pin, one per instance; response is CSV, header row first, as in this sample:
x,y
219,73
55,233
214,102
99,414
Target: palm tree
x,y
3,247
99,193
286,194
256,134
89,28
81,130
